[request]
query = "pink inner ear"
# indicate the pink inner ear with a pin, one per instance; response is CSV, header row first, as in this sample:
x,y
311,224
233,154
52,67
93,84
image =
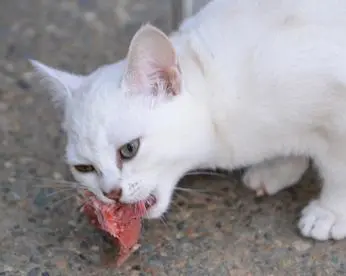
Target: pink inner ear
x,y
155,78
152,63
170,79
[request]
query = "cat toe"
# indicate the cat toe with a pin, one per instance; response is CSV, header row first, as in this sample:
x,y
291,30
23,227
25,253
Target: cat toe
x,y
321,224
263,182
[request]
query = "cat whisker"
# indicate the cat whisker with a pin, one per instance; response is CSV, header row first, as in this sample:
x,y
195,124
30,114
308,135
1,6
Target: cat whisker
x,y
164,221
60,181
60,184
185,199
189,190
59,202
176,205
209,173
55,187
59,192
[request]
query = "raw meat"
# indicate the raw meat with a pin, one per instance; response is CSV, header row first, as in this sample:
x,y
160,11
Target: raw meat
x,y
122,222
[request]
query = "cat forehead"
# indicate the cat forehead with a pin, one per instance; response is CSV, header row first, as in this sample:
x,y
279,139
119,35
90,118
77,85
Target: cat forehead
x,y
105,81
102,112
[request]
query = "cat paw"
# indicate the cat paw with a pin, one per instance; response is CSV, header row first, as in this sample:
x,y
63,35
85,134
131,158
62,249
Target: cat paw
x,y
322,224
264,180
268,178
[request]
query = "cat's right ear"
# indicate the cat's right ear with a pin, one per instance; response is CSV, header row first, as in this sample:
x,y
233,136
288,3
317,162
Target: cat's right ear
x,y
61,84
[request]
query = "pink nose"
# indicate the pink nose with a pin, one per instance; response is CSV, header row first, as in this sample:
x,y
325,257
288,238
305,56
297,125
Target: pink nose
x,y
114,194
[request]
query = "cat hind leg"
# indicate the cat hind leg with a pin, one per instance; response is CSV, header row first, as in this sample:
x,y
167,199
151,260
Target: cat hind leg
x,y
269,177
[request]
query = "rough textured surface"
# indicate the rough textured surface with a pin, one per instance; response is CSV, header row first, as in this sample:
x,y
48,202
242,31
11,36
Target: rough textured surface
x,y
225,231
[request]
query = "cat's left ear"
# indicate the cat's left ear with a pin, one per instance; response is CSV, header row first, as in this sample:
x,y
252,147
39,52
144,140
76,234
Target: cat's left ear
x,y
152,63
61,84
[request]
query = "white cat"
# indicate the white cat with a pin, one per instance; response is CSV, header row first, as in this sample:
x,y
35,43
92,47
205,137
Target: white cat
x,y
243,82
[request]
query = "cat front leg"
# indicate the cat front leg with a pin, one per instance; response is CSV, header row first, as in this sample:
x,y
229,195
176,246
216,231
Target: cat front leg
x,y
325,217
269,177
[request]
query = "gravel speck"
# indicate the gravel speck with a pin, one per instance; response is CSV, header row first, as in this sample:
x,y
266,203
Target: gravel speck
x,y
95,248
3,107
34,272
90,17
301,246
23,84
57,176
8,164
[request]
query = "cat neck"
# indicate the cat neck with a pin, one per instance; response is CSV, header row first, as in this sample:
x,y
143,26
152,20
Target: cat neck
x,y
214,97
197,99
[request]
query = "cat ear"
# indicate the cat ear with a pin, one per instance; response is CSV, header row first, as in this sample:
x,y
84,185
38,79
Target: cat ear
x,y
152,63
60,83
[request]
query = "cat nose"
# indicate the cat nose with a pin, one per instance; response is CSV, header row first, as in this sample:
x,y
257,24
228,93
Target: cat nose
x,y
113,194
110,183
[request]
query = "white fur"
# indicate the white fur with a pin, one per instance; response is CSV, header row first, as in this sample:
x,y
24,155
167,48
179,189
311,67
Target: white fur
x,y
260,80
269,177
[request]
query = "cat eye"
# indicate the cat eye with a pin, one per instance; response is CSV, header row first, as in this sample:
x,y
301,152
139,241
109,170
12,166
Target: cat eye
x,y
85,168
129,150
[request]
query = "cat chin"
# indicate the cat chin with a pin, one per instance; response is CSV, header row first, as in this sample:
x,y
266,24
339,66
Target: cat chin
x,y
163,197
158,209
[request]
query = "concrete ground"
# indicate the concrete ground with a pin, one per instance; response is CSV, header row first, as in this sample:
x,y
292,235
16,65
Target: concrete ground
x,y
225,231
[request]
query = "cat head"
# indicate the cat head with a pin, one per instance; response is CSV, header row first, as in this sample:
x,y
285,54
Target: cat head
x,y
131,126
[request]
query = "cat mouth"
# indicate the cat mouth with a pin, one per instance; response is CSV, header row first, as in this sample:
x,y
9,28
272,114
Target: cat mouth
x,y
145,204
150,202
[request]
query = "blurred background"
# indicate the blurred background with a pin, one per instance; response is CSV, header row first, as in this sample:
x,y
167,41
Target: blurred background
x,y
222,230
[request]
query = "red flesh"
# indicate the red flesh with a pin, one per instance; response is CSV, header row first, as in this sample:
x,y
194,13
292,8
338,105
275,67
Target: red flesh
x,y
122,222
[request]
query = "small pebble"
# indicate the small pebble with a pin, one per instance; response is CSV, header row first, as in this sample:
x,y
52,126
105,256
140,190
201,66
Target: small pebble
x,y
8,268
82,257
8,164
25,160
335,260
84,244
89,16
61,264
23,84
52,29
267,236
28,76
9,67
34,272
57,175
179,235
32,219
29,33
218,225
136,267
10,50
181,225
301,246
29,100
46,221
181,203
3,107
95,248
72,223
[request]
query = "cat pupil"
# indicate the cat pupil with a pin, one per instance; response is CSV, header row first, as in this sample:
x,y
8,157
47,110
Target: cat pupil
x,y
130,148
